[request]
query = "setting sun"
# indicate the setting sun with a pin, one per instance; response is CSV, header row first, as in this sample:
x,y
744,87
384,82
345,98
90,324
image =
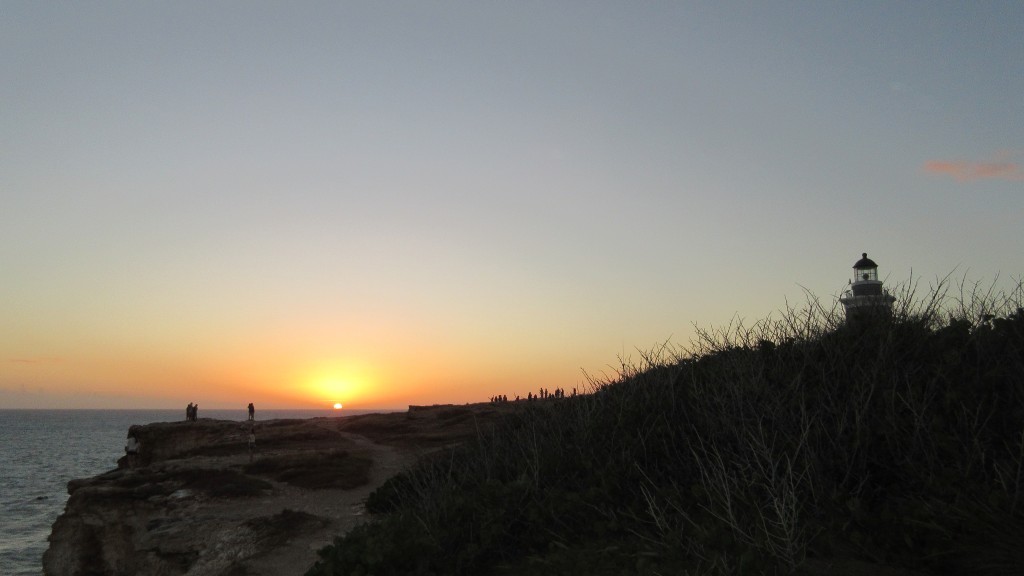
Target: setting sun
x,y
333,381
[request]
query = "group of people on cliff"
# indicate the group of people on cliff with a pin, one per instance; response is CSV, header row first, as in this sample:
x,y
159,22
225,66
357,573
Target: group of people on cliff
x,y
542,394
192,412
132,446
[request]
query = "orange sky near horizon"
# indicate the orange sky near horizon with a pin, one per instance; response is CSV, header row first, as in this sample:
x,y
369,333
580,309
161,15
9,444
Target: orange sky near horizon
x,y
286,370
68,383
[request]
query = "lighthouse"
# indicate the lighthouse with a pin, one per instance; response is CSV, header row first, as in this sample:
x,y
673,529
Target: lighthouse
x,y
865,300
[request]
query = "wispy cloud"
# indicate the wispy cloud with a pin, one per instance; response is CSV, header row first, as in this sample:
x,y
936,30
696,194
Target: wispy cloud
x,y
1002,167
45,361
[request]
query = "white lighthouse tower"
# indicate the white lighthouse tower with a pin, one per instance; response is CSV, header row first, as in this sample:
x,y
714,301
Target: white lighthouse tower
x,y
865,299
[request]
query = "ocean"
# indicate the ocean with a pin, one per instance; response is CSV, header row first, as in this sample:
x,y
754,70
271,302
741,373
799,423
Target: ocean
x,y
41,450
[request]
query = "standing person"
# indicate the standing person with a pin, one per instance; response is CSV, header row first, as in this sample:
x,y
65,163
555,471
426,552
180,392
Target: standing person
x,y
195,412
131,448
252,411
188,412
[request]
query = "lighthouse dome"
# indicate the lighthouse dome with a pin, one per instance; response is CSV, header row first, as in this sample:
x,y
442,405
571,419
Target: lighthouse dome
x,y
865,262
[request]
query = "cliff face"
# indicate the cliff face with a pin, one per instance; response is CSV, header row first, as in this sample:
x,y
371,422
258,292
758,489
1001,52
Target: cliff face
x,y
194,501
131,523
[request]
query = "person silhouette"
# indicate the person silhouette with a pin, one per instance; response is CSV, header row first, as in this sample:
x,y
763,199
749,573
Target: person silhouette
x,y
131,449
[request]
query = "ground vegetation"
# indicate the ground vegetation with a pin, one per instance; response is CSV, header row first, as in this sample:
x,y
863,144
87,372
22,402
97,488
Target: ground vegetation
x,y
796,444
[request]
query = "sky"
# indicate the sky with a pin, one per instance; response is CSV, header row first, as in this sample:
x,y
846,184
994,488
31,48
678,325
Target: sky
x,y
392,203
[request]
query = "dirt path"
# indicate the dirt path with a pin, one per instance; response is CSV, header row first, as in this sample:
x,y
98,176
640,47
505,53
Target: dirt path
x,y
343,508
340,511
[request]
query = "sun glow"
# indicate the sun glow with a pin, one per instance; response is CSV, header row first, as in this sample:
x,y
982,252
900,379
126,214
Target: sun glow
x,y
329,384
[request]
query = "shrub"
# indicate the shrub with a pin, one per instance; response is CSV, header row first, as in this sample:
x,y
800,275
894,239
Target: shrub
x,y
221,483
315,470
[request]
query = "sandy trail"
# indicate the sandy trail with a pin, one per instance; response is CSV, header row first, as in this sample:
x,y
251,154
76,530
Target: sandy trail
x,y
341,510
344,509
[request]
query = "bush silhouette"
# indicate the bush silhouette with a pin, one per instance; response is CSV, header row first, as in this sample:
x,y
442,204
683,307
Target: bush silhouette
x,y
757,449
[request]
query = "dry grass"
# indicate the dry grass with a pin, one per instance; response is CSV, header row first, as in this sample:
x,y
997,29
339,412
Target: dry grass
x,y
315,470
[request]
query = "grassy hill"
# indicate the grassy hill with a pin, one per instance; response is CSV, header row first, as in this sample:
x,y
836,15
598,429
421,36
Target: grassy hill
x,y
796,445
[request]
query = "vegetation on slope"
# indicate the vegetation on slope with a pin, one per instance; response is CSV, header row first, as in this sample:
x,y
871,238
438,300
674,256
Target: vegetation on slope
x,y
315,470
762,449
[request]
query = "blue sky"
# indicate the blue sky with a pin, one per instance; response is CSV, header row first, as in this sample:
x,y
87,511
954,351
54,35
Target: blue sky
x,y
440,201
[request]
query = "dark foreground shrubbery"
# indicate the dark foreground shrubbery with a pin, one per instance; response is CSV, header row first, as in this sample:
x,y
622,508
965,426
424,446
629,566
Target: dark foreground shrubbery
x,y
315,470
757,451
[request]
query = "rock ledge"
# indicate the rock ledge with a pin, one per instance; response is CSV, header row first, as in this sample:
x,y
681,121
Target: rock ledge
x,y
195,502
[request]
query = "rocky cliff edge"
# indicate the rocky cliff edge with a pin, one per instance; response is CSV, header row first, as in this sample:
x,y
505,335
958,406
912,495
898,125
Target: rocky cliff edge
x,y
195,501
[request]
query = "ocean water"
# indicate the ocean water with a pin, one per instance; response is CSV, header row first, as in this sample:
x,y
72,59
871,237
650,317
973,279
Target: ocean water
x,y
41,450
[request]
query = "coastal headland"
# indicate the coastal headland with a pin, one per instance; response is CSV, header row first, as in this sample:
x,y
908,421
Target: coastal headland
x,y
196,500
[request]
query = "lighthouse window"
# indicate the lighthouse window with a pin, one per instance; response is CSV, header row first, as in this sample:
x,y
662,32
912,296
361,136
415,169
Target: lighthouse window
x,y
865,274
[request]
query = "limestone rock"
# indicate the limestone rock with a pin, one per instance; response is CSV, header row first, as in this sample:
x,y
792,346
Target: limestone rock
x,y
195,502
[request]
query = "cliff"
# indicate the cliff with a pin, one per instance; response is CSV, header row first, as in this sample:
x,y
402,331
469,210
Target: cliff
x,y
194,501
